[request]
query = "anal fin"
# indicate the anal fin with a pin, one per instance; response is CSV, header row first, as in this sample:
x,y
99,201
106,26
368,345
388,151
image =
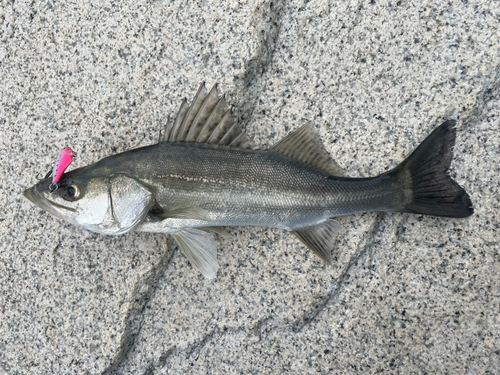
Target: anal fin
x,y
320,238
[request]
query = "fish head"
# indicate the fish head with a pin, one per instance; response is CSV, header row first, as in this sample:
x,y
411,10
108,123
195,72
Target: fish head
x,y
103,204
78,200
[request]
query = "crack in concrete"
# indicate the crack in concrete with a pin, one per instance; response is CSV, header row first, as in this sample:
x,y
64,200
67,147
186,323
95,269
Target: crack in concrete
x,y
258,329
488,93
267,21
144,290
477,114
339,282
194,350
141,297
268,25
251,86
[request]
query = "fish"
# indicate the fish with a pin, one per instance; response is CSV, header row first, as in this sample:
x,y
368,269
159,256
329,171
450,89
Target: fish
x,y
204,174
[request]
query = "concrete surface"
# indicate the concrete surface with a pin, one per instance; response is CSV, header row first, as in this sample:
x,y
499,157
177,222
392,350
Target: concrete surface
x,y
407,294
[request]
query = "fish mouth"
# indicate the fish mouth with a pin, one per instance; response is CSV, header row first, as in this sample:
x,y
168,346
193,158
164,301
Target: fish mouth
x,y
29,195
52,207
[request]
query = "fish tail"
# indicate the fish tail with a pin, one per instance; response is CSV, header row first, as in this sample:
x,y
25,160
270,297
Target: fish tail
x,y
427,187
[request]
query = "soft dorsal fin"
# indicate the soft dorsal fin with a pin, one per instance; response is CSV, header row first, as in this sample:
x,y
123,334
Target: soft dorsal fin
x,y
304,146
207,120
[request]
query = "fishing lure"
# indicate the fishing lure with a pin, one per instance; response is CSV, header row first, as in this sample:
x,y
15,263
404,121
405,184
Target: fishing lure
x,y
64,159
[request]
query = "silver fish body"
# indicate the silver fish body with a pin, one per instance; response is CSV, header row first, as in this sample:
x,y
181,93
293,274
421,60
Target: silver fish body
x,y
245,187
199,177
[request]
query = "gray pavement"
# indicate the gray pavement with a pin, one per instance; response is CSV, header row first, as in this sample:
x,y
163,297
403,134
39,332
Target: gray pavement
x,y
407,294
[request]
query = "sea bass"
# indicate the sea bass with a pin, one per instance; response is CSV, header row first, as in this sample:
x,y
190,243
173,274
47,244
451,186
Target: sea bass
x,y
203,174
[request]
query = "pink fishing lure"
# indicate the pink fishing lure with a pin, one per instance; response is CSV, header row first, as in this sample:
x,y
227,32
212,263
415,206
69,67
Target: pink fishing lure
x,y
63,161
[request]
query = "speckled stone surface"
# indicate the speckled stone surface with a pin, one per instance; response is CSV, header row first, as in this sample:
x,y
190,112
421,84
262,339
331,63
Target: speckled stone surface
x,y
407,294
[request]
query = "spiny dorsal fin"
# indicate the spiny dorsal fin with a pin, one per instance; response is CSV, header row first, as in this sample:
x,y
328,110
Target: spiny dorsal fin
x,y
320,238
193,110
202,116
304,146
207,120
213,120
169,129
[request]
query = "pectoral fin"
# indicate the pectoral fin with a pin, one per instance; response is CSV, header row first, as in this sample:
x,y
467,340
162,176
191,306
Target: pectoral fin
x,y
218,230
320,238
200,249
193,213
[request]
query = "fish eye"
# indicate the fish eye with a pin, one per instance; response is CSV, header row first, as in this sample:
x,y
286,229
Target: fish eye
x,y
71,192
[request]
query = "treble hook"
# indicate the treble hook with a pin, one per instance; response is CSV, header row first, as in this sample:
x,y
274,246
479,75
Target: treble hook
x,y
46,176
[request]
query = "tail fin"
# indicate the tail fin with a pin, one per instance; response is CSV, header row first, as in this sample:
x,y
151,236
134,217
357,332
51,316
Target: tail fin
x,y
423,175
